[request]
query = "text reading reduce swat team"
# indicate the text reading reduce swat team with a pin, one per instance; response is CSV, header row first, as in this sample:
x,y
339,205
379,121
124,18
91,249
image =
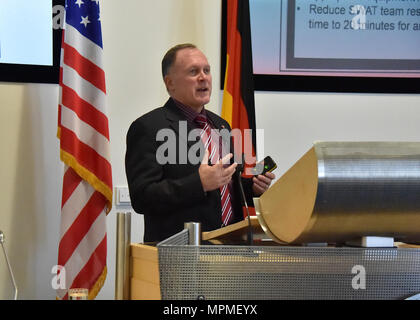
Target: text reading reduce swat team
x,y
369,10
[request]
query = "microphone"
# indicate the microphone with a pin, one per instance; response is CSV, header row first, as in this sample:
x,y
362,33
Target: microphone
x,y
267,165
8,264
240,169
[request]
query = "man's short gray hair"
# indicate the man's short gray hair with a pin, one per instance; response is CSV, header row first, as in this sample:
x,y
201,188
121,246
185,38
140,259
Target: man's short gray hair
x,y
170,56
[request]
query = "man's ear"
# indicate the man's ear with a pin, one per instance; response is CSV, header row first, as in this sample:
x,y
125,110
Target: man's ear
x,y
169,83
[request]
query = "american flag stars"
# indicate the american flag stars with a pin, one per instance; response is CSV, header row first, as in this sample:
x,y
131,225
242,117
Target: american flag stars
x,y
85,21
79,2
84,15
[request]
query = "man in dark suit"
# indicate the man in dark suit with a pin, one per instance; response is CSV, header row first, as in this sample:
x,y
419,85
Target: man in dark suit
x,y
168,181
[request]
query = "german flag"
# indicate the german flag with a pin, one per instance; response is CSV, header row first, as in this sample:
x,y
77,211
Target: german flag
x,y
238,106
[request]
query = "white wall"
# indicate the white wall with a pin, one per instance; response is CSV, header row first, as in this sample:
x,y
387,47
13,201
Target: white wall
x,y
136,34
293,121
30,187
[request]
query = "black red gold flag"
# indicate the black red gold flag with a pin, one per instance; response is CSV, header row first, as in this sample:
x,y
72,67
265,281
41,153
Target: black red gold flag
x,y
238,106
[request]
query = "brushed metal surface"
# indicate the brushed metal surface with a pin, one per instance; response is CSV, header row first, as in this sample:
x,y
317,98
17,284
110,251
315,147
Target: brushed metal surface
x,y
343,191
367,189
122,264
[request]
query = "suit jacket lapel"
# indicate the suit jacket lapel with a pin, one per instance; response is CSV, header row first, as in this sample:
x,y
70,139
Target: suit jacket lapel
x,y
216,120
178,122
174,116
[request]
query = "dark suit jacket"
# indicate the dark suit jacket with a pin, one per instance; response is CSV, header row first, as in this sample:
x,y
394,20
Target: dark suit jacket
x,y
170,194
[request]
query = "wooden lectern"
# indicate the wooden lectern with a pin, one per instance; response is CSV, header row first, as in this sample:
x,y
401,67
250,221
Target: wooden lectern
x,y
144,272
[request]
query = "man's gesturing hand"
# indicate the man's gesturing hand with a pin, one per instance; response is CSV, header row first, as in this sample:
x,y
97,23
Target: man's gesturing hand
x,y
215,176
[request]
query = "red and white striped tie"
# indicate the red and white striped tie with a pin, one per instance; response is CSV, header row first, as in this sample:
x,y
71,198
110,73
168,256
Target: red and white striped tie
x,y
214,156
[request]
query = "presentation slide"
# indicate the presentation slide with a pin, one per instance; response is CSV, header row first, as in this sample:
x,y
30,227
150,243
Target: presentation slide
x,y
377,38
26,32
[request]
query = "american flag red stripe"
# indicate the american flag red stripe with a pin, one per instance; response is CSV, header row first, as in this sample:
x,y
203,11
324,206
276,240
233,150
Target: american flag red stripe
x,y
87,70
70,182
81,225
86,156
85,111
84,148
93,266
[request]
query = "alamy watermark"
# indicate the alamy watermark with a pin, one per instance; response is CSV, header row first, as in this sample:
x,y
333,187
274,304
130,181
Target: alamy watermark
x,y
359,20
58,282
58,17
359,280
187,147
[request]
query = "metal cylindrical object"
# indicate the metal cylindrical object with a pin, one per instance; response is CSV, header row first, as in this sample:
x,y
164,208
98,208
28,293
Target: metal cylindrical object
x,y
122,268
194,233
344,191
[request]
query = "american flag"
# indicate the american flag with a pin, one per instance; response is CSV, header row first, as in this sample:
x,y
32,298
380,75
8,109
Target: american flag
x,y
84,149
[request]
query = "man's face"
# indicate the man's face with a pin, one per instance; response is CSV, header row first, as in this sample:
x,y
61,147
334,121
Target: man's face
x,y
189,79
